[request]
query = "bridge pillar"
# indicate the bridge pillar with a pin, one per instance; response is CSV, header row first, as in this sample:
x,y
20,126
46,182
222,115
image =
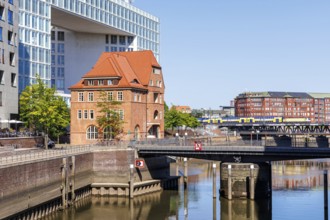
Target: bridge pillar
x,y
245,180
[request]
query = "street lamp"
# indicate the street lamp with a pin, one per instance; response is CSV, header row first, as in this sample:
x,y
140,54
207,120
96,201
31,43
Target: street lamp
x,y
257,136
252,132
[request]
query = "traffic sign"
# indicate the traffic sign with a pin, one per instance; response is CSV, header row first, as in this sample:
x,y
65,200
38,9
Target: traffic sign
x,y
139,163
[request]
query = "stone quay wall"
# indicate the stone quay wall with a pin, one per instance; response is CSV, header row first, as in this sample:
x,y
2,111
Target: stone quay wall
x,y
32,183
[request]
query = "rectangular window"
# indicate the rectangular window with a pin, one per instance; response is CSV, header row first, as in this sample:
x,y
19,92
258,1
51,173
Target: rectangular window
x,y
85,114
60,48
110,96
0,98
90,82
156,71
91,114
12,58
113,39
2,13
109,82
79,114
129,39
10,17
80,96
113,49
1,39
13,80
10,38
107,39
122,40
53,35
2,81
60,35
91,96
60,59
120,96
100,82
121,114
122,49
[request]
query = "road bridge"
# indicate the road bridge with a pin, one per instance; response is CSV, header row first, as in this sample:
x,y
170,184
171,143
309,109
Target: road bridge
x,y
245,168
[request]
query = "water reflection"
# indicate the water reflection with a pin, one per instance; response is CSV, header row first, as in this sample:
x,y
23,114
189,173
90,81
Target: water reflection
x,y
294,197
245,209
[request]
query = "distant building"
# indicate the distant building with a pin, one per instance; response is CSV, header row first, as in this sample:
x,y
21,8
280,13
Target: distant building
x,y
227,111
315,106
183,109
133,78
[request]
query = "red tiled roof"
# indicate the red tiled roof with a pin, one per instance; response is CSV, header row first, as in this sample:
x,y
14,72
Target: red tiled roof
x,y
133,68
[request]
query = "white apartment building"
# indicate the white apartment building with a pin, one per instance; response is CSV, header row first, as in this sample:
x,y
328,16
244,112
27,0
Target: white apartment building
x,y
60,40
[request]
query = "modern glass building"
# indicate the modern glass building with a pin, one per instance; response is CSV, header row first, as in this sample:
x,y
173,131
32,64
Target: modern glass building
x,y
60,40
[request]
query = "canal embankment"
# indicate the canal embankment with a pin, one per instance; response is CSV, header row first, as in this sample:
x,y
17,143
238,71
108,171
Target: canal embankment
x,y
37,183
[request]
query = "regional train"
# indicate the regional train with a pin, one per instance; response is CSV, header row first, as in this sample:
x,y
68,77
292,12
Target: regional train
x,y
255,120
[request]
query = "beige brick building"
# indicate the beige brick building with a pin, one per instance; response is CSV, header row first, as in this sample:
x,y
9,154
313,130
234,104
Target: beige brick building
x,y
133,78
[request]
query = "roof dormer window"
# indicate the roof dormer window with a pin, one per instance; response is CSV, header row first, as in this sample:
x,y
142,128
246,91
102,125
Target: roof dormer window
x,y
155,70
90,82
110,82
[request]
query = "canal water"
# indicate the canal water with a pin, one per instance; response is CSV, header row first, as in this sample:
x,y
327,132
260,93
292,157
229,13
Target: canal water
x,y
297,194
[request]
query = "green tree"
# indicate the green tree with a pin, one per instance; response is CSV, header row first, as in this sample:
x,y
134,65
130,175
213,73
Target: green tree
x,y
43,111
174,119
109,120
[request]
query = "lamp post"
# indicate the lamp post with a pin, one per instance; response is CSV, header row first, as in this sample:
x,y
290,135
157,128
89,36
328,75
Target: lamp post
x,y
257,131
252,132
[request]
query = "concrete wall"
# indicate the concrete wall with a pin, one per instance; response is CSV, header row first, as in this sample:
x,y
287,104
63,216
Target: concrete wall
x,y
31,184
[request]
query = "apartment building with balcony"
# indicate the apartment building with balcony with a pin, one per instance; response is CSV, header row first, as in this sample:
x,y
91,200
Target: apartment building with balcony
x,y
135,80
8,60
315,106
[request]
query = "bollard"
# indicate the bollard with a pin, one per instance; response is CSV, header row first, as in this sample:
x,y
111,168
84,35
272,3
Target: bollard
x,y
214,166
325,183
73,170
185,175
229,183
131,181
251,182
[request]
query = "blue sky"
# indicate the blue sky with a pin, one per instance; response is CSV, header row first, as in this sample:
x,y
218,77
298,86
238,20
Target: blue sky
x,y
212,50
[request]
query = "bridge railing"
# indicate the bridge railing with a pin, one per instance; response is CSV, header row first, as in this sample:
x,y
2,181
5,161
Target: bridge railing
x,y
16,157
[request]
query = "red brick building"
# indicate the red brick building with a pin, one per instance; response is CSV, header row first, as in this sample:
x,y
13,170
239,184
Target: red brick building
x,y
133,78
315,106
183,109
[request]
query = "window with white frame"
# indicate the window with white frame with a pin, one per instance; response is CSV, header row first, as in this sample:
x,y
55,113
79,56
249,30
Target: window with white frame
x,y
121,114
109,82
100,82
120,96
90,82
92,133
79,114
110,96
80,96
91,96
85,114
91,114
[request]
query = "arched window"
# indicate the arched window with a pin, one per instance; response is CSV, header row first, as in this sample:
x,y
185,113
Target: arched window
x,y
92,132
136,132
107,133
156,114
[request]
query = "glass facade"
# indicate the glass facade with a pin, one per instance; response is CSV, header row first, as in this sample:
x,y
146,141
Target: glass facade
x,y
37,54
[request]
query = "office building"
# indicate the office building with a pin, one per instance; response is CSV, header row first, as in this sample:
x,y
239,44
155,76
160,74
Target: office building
x,y
60,40
314,106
